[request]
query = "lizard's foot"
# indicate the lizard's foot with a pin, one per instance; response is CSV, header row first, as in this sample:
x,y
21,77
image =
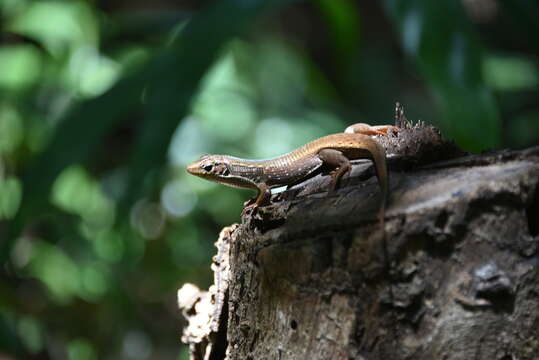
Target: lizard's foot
x,y
249,209
366,129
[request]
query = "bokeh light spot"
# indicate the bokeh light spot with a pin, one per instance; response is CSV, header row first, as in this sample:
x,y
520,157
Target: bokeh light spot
x,y
68,24
137,345
21,66
81,349
22,252
11,128
10,197
273,137
76,192
29,330
186,145
56,270
510,73
109,246
94,282
90,73
178,199
228,115
148,218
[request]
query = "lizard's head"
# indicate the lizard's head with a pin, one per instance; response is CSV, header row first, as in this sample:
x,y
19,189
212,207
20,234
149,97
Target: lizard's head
x,y
221,169
211,167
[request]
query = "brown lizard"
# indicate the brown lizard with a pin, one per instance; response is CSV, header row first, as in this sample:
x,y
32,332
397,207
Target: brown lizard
x,y
333,151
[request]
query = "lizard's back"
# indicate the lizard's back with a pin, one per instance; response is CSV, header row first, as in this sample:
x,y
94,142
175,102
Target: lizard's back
x,y
303,161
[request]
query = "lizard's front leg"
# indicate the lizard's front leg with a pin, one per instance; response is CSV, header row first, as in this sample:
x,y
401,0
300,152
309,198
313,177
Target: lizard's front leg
x,y
336,160
261,199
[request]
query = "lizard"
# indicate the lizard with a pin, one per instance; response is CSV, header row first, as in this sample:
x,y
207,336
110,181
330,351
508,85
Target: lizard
x,y
332,151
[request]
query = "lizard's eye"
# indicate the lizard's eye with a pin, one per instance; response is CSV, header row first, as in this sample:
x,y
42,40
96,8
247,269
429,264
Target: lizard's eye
x,y
208,167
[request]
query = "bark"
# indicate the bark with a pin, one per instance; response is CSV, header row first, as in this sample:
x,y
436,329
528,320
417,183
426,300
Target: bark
x,y
306,277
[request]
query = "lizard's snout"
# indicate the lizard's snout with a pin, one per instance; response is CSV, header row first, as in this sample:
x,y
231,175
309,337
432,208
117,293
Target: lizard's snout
x,y
194,168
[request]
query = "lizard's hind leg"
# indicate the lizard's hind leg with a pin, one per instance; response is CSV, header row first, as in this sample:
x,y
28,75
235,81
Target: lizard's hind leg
x,y
336,160
366,129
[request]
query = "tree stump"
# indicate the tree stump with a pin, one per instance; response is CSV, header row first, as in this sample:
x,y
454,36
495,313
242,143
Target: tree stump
x,y
306,277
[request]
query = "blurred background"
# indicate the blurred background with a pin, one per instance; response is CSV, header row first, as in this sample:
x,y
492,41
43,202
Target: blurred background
x,y
103,103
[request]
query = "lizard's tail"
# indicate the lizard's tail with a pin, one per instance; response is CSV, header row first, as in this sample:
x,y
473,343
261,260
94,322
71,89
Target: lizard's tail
x,y
378,154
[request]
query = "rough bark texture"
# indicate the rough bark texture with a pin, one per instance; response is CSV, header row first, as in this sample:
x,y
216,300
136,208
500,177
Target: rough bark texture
x,y
305,277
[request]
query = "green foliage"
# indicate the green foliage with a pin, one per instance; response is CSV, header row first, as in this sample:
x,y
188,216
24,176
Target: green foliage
x,y
437,35
101,109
